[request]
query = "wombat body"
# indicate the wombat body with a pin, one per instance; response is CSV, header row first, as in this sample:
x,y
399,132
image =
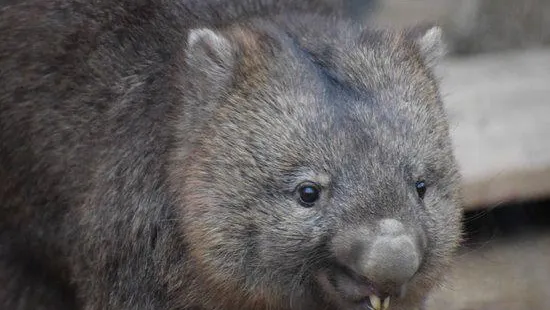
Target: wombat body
x,y
212,155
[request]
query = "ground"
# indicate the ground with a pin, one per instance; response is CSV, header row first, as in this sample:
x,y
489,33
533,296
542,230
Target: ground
x,y
504,274
506,268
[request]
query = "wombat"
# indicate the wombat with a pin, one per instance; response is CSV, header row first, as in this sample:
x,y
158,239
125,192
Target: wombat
x,y
220,155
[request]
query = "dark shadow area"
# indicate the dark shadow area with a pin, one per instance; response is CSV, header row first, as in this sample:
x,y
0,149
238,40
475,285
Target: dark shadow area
x,y
507,221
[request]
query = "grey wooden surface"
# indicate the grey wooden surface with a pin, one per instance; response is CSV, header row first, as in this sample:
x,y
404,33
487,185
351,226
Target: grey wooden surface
x,y
499,106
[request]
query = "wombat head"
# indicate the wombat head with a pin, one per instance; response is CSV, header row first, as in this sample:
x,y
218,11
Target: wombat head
x,y
314,166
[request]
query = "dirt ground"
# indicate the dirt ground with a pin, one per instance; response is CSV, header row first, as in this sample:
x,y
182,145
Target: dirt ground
x,y
503,274
504,264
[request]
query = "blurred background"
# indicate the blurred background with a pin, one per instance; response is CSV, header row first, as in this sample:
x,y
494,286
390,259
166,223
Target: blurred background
x,y
496,85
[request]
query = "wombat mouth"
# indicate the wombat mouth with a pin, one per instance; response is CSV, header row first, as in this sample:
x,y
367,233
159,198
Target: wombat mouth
x,y
353,290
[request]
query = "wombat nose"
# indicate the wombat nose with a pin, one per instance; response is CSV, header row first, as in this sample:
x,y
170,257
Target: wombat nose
x,y
387,257
392,257
390,261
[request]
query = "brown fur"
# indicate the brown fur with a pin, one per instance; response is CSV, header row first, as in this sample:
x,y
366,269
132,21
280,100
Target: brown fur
x,y
150,153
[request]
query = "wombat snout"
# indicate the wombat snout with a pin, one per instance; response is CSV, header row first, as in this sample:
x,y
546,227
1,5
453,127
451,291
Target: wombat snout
x,y
378,259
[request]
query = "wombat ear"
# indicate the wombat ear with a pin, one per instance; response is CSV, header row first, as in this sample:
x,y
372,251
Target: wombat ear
x,y
210,57
209,61
429,39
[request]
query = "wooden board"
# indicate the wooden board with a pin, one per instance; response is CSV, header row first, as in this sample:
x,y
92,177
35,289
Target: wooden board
x,y
499,105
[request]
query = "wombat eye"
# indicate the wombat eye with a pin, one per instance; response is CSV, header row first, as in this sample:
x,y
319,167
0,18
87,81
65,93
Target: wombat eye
x,y
308,193
421,189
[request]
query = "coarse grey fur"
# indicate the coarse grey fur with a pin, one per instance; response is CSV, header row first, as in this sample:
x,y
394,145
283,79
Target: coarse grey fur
x,y
150,153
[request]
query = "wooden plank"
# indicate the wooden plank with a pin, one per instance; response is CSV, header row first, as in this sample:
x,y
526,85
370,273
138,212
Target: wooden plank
x,y
499,106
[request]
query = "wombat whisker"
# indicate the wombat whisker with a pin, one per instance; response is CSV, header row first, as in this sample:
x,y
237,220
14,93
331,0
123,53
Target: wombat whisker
x,y
473,247
310,260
